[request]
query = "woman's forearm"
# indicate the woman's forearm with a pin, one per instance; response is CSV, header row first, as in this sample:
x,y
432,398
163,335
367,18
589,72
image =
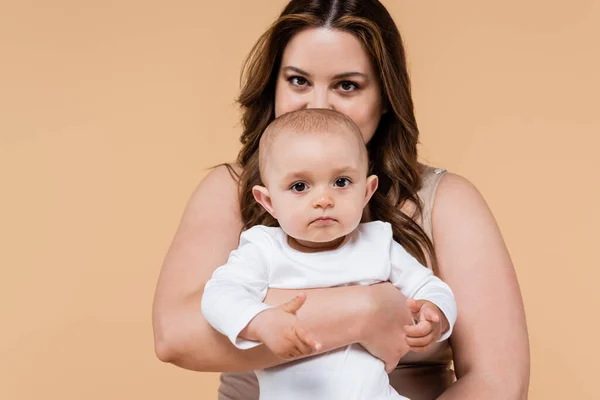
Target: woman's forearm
x,y
474,386
203,241
185,339
335,315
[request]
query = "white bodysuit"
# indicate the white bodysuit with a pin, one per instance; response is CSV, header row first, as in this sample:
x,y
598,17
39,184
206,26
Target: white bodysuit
x,y
264,259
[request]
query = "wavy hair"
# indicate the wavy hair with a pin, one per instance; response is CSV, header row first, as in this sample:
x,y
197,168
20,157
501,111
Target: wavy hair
x,y
393,148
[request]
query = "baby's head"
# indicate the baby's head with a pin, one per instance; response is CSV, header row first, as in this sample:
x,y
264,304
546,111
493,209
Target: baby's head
x,y
314,165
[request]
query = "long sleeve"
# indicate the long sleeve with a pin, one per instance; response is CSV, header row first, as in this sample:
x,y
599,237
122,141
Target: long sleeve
x,y
418,282
234,294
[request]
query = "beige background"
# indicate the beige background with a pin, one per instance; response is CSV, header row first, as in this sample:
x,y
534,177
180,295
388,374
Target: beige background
x,y
111,111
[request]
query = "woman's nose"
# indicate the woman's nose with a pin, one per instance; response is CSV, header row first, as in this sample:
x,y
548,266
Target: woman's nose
x,y
320,98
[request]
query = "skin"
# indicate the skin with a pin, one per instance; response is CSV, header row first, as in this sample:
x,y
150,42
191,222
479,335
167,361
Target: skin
x,y
490,342
317,195
317,188
322,68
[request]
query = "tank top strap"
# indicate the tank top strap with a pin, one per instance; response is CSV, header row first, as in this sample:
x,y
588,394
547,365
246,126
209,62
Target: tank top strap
x,y
430,180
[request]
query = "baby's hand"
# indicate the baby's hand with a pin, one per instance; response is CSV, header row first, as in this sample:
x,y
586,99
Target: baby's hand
x,y
430,323
282,332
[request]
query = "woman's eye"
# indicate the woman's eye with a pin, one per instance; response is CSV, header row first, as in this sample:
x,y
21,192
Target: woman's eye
x,y
299,187
297,81
342,182
348,86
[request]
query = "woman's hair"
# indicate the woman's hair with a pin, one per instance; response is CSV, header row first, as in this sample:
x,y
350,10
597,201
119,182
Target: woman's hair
x,y
393,148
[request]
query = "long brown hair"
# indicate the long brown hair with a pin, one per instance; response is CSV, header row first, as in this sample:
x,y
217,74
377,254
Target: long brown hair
x,y
393,148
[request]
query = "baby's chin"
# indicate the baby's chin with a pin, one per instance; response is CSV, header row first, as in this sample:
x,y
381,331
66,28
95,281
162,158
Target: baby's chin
x,y
325,239
322,236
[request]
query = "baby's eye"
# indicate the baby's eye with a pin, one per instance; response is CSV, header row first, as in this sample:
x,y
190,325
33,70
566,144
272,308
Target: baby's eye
x,y
342,182
299,187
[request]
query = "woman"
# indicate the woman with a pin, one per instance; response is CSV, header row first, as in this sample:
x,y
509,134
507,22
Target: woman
x,y
348,56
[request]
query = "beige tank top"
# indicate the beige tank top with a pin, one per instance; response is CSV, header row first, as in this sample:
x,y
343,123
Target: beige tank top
x,y
419,376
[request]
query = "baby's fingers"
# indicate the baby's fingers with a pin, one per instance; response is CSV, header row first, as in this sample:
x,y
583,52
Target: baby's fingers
x,y
290,353
420,343
430,314
302,348
422,329
307,341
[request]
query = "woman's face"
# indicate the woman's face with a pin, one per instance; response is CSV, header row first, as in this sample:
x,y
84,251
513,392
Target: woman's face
x,y
325,68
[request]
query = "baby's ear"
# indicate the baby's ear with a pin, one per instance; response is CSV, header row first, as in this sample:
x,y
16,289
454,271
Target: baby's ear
x,y
372,183
261,195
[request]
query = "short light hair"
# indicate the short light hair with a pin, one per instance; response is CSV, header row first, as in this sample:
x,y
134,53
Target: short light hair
x,y
310,121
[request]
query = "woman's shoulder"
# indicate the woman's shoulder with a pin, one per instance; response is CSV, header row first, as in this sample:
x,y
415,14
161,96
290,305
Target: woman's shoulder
x,y
218,189
456,188
233,169
430,179
436,180
443,193
427,170
223,176
457,200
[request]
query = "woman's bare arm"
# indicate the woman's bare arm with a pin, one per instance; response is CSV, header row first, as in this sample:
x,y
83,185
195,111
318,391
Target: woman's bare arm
x,y
208,232
490,341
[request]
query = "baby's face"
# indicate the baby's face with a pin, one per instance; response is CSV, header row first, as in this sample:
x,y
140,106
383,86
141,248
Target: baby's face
x,y
317,185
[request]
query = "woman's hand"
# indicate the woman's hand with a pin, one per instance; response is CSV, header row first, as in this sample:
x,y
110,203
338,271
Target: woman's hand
x,y
383,331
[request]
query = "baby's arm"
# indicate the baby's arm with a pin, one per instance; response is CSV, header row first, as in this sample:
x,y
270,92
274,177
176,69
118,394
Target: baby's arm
x,y
232,303
429,298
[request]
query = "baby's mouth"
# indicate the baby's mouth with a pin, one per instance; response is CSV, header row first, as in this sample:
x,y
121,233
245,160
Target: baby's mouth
x,y
324,220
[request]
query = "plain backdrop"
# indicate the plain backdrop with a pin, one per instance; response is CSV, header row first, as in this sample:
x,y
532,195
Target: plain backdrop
x,y
112,111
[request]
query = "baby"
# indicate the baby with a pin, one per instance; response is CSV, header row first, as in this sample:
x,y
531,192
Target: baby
x,y
314,167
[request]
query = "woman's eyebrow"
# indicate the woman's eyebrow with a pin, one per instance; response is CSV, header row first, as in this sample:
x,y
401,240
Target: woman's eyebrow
x,y
338,76
297,70
350,75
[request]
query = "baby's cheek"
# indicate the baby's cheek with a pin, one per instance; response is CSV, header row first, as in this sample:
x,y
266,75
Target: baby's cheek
x,y
293,222
354,211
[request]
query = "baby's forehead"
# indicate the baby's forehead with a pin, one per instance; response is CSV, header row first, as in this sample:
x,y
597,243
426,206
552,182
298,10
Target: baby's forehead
x,y
293,151
305,128
291,135
288,142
